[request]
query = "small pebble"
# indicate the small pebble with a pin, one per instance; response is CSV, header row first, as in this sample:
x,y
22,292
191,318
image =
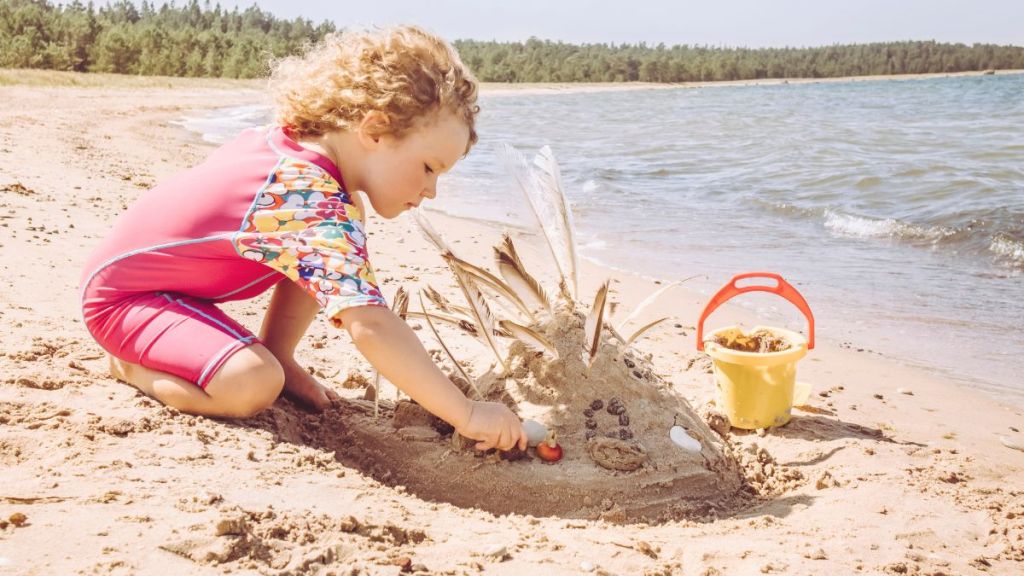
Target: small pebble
x,y
879,397
623,419
404,563
630,364
625,434
590,434
591,424
596,405
18,519
588,413
906,391
587,566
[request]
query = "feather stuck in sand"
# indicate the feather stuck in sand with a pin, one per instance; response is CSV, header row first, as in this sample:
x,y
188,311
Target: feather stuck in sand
x,y
558,358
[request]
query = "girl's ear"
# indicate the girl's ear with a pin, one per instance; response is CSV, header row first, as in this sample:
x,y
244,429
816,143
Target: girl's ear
x,y
374,125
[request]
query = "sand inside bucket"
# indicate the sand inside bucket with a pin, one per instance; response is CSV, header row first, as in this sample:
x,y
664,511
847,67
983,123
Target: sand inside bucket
x,y
760,341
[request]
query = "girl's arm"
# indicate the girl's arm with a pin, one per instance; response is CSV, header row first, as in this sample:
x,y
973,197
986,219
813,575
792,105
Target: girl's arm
x,y
393,349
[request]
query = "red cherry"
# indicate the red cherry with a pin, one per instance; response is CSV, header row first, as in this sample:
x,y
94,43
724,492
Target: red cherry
x,y
549,450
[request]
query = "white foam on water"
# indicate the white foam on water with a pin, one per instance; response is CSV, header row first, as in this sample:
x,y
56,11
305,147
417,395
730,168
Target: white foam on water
x,y
220,126
847,225
1012,249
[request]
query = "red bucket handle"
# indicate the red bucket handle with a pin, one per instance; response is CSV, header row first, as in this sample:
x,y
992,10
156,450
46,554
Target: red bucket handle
x,y
782,288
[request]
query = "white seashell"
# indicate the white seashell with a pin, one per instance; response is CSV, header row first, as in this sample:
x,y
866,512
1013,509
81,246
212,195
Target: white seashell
x,y
496,551
587,566
679,435
1009,443
535,432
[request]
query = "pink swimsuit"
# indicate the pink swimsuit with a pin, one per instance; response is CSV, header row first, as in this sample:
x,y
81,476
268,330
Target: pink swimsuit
x,y
260,209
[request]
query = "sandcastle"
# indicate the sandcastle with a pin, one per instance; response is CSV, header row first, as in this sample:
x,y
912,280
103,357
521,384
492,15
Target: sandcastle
x,y
634,448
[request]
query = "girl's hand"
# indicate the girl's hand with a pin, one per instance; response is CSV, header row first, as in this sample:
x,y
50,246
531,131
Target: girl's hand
x,y
495,426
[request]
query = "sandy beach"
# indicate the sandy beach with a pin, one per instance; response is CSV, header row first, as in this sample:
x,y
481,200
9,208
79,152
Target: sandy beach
x,y
885,470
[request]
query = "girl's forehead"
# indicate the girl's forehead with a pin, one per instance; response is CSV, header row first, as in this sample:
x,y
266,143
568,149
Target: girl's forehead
x,y
447,136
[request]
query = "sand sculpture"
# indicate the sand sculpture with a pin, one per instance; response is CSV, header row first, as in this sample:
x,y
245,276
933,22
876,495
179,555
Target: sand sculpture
x,y
632,447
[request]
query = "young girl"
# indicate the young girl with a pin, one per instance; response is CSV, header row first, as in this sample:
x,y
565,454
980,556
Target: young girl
x,y
383,113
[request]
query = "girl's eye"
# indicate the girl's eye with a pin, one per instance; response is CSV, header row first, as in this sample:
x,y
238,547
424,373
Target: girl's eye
x,y
426,167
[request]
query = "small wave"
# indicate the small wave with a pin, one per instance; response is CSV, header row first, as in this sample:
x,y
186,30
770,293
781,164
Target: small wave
x,y
221,125
861,227
868,182
1008,248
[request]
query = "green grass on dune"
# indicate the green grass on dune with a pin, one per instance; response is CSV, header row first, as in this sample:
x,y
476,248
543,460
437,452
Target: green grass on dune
x,y
29,77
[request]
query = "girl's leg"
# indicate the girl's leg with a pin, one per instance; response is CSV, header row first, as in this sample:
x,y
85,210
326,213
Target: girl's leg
x,y
246,383
289,315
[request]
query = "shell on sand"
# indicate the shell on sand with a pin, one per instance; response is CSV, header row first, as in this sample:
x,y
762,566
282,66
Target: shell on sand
x,y
615,454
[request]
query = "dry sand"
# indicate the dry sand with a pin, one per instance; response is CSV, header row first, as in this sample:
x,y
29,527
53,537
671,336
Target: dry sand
x,y
888,470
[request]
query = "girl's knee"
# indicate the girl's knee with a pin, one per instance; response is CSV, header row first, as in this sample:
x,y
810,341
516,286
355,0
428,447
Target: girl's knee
x,y
248,383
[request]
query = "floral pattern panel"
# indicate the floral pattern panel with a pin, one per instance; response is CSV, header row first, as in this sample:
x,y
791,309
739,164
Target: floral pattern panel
x,y
304,225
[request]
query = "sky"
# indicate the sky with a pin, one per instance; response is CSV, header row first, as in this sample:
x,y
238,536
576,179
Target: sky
x,y
750,23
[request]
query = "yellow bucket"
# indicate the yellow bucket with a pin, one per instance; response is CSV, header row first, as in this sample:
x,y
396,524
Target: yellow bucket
x,y
756,389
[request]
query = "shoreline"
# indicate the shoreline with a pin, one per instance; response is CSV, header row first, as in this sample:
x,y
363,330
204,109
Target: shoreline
x,y
892,482
998,392
92,80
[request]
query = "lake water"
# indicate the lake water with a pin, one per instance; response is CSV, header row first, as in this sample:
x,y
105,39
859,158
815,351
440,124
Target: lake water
x,y
895,207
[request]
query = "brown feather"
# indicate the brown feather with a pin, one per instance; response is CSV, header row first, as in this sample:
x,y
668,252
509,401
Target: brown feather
x,y
495,284
481,312
515,274
530,337
446,350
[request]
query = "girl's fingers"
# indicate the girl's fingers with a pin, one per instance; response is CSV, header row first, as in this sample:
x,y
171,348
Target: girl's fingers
x,y
521,441
487,443
503,440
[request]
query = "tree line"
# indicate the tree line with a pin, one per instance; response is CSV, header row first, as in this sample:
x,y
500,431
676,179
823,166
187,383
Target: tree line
x,y
209,41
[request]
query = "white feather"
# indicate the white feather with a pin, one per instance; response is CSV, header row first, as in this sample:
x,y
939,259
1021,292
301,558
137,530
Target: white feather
x,y
593,325
643,329
429,232
543,190
650,300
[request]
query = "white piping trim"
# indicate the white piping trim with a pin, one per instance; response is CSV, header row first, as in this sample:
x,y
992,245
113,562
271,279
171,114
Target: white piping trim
x,y
201,382
256,198
119,257
278,151
237,290
208,317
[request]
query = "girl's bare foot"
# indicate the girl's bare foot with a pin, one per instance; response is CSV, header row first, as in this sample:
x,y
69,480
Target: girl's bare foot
x,y
300,386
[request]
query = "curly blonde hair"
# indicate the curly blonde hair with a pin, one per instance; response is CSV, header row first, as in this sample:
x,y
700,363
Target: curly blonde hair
x,y
405,72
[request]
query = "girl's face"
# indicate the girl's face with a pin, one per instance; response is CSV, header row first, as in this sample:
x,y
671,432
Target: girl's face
x,y
401,172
